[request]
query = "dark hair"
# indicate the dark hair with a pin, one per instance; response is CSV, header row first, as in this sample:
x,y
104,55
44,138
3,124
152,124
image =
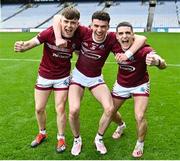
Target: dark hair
x,y
71,13
124,24
101,15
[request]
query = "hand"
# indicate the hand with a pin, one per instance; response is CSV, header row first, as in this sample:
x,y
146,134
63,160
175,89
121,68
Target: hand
x,y
120,57
61,43
152,59
19,46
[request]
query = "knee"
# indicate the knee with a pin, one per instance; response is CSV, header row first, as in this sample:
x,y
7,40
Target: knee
x,y
109,111
39,109
139,117
73,112
60,109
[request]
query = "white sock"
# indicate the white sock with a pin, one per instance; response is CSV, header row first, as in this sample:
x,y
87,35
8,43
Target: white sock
x,y
122,125
43,132
78,138
140,143
60,136
98,137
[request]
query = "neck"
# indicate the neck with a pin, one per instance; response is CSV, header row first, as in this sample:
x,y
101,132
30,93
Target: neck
x,y
100,41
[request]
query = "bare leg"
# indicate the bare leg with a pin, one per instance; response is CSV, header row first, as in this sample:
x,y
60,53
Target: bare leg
x,y
41,98
117,116
141,103
60,102
103,95
75,95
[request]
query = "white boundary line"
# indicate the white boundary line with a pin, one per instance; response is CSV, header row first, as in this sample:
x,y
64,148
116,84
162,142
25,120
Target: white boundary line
x,y
37,60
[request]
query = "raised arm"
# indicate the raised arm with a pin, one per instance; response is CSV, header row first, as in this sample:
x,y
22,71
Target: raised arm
x,y
60,42
153,59
21,46
139,41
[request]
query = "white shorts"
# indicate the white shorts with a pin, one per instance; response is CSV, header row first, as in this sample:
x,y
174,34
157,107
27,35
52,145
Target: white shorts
x,y
124,93
55,84
84,81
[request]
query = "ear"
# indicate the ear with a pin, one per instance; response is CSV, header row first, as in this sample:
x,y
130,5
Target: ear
x,y
133,36
90,26
78,23
116,35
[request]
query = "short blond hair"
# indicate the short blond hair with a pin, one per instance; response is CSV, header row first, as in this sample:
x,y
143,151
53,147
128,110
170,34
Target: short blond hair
x,y
71,13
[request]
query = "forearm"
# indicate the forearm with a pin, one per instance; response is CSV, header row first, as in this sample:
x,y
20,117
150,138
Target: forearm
x,y
21,46
30,44
139,41
57,26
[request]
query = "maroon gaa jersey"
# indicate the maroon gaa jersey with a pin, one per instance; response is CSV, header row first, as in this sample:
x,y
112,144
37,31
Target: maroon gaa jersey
x,y
133,72
93,55
55,63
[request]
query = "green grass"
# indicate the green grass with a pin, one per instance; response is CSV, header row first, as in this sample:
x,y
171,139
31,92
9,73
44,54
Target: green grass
x,y
18,123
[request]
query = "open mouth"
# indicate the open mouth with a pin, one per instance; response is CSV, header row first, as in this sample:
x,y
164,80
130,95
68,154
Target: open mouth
x,y
69,31
125,43
99,36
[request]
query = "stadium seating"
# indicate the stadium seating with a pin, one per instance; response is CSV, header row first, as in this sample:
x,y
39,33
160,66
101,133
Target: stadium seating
x,y
86,10
134,12
9,10
178,11
165,15
32,17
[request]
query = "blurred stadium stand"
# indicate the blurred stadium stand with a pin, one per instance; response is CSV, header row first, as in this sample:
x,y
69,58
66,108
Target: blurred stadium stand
x,y
28,14
134,12
165,15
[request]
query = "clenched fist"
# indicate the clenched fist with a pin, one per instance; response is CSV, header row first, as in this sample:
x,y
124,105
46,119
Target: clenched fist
x,y
152,59
19,46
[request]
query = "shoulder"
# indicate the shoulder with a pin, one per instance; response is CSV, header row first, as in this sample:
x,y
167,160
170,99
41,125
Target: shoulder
x,y
111,37
46,34
48,30
82,31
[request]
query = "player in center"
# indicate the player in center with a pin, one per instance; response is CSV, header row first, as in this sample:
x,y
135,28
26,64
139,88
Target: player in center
x,y
96,44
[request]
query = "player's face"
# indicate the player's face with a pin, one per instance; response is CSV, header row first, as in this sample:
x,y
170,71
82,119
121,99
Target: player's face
x,y
68,27
100,29
125,37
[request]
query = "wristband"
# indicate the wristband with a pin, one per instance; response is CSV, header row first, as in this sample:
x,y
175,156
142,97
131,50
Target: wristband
x,y
128,53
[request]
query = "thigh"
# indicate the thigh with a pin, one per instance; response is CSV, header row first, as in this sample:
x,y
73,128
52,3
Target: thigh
x,y
60,97
103,95
41,98
74,96
118,102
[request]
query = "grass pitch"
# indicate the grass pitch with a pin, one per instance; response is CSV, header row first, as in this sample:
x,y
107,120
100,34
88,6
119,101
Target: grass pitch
x,y
18,125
